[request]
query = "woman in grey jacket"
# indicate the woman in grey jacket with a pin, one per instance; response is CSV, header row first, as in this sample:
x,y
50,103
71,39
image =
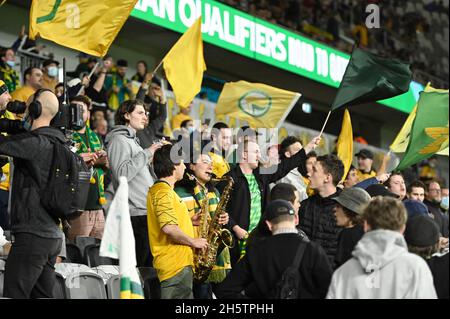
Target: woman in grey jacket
x,y
127,158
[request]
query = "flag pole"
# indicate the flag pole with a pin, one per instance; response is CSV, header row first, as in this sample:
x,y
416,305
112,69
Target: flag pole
x,y
324,124
157,68
355,45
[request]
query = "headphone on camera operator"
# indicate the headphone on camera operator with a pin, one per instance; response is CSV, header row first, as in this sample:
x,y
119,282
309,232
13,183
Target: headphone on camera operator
x,y
34,109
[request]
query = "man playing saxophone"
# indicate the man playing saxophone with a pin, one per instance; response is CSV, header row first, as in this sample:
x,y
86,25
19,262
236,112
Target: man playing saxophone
x,y
201,198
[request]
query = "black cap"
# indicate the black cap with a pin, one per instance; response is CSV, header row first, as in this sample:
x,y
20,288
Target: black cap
x,y
277,208
48,62
380,190
122,62
364,153
156,80
422,231
82,55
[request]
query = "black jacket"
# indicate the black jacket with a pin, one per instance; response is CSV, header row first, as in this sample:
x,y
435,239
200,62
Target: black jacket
x,y
32,153
157,117
258,272
347,240
317,220
239,205
439,265
435,209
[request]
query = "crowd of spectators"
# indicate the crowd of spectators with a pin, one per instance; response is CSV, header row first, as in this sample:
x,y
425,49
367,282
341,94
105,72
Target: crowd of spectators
x,y
339,23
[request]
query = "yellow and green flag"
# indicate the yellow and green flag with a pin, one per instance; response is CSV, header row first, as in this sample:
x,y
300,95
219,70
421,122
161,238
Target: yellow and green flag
x,y
184,65
402,140
84,25
429,133
344,144
260,105
118,242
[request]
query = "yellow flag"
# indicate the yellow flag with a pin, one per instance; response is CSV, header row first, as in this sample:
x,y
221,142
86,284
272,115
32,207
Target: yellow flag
x,y
443,152
184,65
84,25
261,105
344,144
402,140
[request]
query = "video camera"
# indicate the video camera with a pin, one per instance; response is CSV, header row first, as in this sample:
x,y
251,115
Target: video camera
x,y
68,118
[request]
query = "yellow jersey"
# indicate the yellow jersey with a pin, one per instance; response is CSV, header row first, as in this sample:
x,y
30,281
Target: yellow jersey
x,y
164,207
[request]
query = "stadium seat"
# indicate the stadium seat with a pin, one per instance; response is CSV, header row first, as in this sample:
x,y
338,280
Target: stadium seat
x,y
73,254
92,257
66,269
410,7
106,271
436,17
113,287
150,282
85,285
83,241
59,289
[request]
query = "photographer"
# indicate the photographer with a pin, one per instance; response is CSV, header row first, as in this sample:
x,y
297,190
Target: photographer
x,y
29,270
91,221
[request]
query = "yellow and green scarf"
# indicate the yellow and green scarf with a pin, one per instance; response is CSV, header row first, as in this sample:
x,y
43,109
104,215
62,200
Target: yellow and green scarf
x,y
219,271
94,145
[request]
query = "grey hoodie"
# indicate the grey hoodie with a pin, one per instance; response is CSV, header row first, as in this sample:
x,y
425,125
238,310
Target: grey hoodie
x,y
382,268
127,158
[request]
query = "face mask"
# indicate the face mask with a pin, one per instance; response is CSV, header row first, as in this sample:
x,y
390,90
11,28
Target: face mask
x,y
190,130
53,71
444,203
26,123
11,63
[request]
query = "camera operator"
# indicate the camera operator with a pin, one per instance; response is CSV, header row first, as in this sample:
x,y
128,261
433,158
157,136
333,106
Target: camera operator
x,y
29,270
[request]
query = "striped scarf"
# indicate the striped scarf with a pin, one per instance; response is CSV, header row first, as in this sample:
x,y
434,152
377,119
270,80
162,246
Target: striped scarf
x,y
219,271
94,145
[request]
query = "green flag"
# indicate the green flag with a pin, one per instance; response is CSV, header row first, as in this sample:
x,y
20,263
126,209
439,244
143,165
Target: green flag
x,y
429,134
369,78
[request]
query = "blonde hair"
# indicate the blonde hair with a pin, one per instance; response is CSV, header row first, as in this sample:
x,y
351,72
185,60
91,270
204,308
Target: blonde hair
x,y
385,213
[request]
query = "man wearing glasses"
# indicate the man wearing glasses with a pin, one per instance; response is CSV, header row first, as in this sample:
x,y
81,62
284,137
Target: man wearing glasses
x,y
433,201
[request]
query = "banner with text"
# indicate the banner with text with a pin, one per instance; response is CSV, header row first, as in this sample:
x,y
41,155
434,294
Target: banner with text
x,y
257,39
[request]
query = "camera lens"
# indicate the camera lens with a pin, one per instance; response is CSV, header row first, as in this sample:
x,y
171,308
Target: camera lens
x,y
16,107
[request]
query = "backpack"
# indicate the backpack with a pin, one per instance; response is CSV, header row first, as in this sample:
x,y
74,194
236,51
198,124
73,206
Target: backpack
x,y
288,286
68,185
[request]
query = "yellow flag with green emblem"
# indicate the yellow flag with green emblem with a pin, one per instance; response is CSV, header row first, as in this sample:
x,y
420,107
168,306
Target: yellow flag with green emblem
x,y
429,132
84,25
344,144
260,105
402,140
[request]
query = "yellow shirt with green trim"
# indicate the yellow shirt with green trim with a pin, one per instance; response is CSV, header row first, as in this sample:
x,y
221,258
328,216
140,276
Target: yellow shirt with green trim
x,y
165,207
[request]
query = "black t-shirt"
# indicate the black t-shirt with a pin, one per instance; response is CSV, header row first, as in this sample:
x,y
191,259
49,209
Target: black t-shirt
x,y
348,238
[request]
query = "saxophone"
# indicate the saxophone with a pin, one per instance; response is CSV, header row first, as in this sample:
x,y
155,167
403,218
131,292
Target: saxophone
x,y
217,237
